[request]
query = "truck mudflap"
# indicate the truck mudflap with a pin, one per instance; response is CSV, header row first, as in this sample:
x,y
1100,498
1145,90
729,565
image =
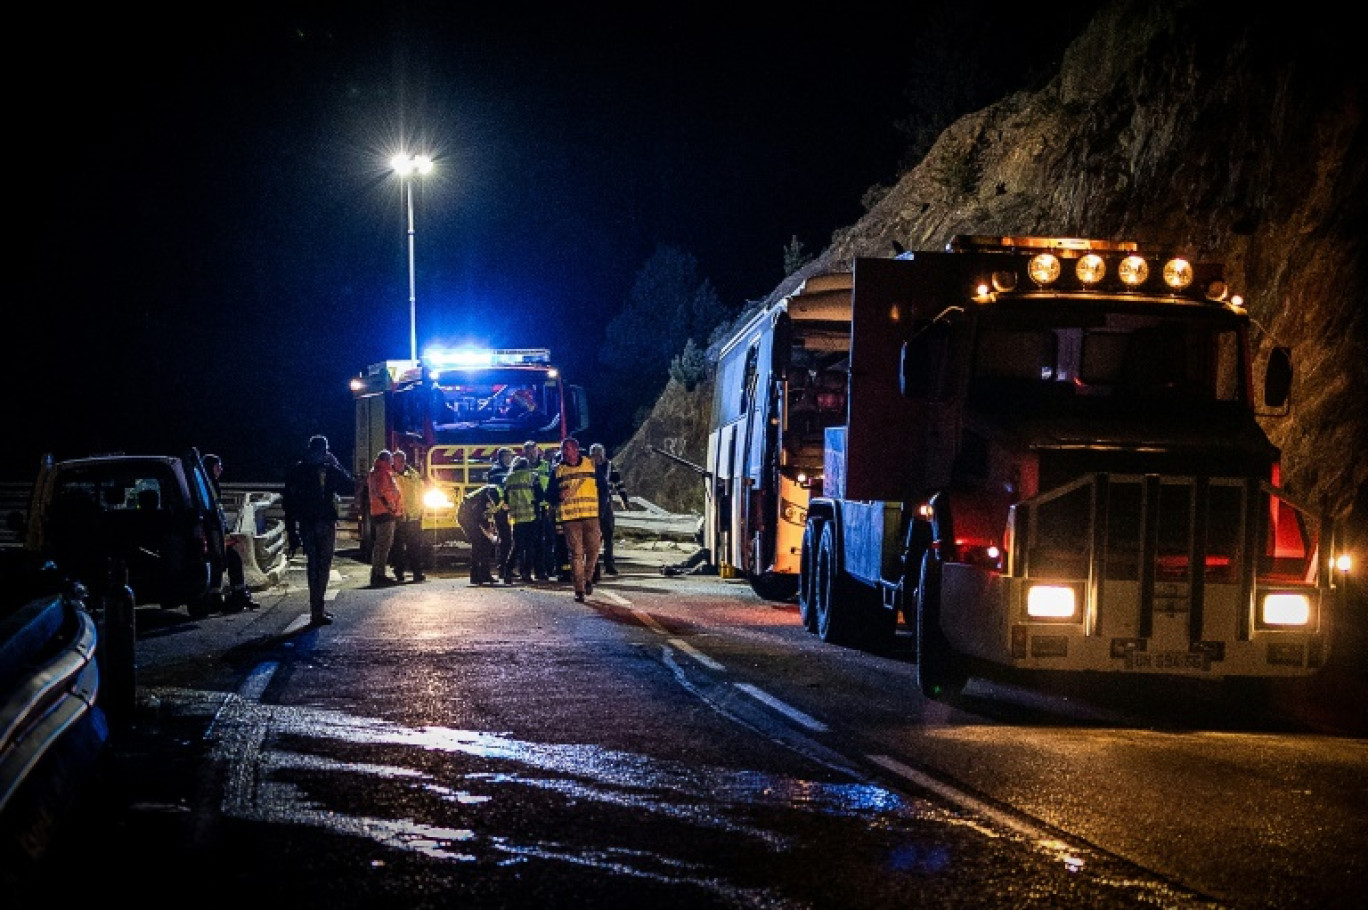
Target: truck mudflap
x,y
1188,576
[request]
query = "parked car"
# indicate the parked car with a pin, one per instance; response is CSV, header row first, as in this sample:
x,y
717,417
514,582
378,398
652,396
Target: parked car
x,y
154,517
53,734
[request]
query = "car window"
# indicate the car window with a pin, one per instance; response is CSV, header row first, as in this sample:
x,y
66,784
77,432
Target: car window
x,y
120,489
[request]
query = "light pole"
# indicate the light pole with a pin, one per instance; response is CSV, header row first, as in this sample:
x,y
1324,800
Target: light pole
x,y
408,167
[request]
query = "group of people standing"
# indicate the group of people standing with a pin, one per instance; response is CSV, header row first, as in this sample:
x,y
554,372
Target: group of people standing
x,y
539,517
535,518
394,491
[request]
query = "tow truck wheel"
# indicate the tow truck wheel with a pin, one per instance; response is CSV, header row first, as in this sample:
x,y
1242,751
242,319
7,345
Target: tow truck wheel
x,y
807,593
941,670
838,616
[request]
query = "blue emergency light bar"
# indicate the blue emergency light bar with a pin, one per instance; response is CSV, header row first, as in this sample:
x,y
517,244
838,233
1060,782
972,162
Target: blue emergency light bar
x,y
456,358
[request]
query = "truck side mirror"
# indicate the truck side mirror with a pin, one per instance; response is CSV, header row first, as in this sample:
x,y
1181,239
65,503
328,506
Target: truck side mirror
x,y
922,360
1278,378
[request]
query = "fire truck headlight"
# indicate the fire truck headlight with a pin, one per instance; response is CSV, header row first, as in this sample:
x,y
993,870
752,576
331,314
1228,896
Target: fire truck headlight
x,y
1051,602
437,500
1281,608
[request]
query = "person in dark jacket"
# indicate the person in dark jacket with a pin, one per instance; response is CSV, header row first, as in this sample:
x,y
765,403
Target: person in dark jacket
x,y
503,551
476,518
610,488
313,486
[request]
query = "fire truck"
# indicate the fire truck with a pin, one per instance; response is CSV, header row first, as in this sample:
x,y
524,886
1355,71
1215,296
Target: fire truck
x,y
451,411
1039,453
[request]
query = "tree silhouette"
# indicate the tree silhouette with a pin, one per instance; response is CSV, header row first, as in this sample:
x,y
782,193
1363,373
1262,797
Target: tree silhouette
x,y
669,304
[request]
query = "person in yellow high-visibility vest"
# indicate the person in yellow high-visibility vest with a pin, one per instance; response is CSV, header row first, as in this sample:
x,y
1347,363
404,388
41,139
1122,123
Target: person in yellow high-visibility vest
x,y
574,492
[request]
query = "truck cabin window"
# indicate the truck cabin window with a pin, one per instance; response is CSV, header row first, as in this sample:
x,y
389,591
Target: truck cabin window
x,y
1122,357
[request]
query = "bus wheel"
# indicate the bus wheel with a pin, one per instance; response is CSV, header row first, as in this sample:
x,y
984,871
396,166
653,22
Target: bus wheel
x,y
807,569
838,616
773,586
941,670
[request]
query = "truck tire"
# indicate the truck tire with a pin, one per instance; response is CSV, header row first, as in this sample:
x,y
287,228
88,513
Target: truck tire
x,y
941,670
807,588
839,619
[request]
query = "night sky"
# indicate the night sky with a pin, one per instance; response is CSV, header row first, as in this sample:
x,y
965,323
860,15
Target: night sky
x,y
210,243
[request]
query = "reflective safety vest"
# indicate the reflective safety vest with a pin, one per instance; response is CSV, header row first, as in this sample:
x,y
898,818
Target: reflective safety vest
x,y
521,494
541,473
411,485
578,490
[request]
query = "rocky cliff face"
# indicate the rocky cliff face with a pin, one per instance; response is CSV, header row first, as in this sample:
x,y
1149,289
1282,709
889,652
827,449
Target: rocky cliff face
x,y
1231,135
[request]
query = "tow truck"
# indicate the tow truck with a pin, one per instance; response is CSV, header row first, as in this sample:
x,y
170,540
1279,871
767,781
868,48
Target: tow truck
x,y
1041,452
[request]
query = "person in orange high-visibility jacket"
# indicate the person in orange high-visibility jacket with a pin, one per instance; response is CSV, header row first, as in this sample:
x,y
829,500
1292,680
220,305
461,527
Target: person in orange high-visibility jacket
x,y
574,492
386,509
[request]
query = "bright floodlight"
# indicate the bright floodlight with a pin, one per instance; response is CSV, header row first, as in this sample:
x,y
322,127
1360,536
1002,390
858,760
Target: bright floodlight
x,y
409,165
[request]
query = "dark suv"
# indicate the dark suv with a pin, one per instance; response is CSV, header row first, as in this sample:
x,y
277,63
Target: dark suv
x,y
154,514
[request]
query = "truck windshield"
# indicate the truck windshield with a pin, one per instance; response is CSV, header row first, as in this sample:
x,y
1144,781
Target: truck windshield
x,y
494,404
1125,357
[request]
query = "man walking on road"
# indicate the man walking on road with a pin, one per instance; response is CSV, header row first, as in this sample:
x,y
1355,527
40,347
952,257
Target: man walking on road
x,y
574,492
313,486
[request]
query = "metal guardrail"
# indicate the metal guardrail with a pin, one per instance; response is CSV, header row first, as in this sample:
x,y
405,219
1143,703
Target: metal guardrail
x,y
645,518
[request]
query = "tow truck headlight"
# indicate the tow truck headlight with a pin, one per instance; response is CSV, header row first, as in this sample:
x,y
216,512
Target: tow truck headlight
x,y
1284,608
1044,268
1178,274
436,499
1090,269
1052,602
1133,271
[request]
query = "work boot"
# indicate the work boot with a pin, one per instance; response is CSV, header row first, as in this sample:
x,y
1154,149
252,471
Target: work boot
x,y
239,601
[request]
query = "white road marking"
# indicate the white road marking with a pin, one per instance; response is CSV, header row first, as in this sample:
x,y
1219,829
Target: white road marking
x,y
760,695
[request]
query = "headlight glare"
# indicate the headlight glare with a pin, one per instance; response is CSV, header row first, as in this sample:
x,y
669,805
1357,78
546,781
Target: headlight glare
x,y
1285,609
1051,602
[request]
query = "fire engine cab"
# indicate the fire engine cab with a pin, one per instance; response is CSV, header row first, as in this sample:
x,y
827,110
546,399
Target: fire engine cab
x,y
451,411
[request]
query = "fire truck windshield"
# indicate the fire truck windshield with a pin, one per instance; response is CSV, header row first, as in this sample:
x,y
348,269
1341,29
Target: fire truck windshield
x,y
496,404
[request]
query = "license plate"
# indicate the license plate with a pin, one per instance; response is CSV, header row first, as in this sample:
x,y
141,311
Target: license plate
x,y
1167,661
